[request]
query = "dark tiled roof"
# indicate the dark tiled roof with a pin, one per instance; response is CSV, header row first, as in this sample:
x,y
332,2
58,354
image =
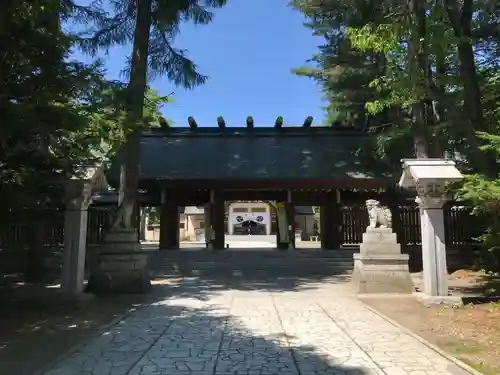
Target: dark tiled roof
x,y
260,154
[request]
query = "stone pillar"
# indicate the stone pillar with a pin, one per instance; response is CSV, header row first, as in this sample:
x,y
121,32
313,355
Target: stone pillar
x,y
430,178
218,211
230,224
75,246
169,225
435,271
330,221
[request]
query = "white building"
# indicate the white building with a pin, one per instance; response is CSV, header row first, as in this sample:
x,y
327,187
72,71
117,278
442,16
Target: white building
x,y
249,217
242,218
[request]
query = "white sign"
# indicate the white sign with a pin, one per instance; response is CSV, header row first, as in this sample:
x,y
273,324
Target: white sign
x,y
258,217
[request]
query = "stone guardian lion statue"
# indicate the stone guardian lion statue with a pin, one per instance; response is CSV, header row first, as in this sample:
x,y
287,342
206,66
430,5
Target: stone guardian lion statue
x,y
380,216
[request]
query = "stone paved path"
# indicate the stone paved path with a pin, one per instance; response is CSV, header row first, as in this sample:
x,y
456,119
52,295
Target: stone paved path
x,y
318,330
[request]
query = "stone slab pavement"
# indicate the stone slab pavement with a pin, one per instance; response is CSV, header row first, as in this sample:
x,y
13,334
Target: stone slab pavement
x,y
315,328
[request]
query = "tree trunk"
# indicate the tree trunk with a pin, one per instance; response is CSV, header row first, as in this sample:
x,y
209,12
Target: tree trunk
x,y
461,21
136,91
418,64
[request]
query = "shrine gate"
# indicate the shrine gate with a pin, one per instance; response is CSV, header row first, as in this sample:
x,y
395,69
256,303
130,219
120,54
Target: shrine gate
x,y
289,166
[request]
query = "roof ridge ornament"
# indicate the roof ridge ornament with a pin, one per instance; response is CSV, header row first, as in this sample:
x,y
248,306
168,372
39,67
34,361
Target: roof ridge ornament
x,y
308,122
192,123
221,123
278,124
250,123
164,125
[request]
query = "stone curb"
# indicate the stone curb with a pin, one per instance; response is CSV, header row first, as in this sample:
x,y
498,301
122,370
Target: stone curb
x,y
420,339
82,342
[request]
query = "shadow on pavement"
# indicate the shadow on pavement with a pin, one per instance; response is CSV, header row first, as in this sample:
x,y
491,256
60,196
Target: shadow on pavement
x,y
32,319
173,335
251,269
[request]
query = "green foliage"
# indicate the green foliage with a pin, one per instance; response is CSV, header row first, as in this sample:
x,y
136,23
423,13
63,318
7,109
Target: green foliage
x,y
107,128
422,76
58,114
105,29
484,195
41,99
364,69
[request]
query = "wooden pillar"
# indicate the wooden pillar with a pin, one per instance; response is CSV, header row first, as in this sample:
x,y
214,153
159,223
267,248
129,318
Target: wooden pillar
x,y
331,234
278,236
290,218
169,223
217,213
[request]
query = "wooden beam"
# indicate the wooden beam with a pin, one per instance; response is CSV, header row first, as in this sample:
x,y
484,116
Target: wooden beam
x,y
253,195
269,184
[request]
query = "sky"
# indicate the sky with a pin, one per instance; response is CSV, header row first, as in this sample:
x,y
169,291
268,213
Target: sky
x,y
248,52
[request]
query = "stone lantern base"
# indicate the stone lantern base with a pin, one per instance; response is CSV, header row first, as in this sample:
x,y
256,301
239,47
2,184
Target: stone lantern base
x,y
121,266
380,267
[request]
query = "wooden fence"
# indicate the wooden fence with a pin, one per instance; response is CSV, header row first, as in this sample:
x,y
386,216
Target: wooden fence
x,y
18,235
461,228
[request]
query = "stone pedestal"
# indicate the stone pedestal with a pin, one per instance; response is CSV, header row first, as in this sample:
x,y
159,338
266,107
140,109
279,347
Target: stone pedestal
x,y
380,267
121,265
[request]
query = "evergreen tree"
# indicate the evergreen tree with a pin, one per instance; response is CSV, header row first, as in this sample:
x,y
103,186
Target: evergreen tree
x,y
41,98
435,86
151,26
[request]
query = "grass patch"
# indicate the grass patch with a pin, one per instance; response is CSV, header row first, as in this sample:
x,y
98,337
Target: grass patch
x,y
481,367
457,348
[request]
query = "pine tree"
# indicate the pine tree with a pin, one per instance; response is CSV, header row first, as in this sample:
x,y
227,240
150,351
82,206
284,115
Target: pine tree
x,y
151,26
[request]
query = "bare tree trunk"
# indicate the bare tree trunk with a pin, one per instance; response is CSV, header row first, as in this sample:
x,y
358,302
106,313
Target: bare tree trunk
x,y
418,65
129,173
461,20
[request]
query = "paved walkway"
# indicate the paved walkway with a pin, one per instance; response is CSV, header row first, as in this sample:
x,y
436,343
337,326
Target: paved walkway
x,y
287,330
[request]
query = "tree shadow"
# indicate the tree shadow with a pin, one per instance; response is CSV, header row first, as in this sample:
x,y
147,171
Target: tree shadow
x,y
179,335
205,287
204,272
485,290
36,320
34,317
